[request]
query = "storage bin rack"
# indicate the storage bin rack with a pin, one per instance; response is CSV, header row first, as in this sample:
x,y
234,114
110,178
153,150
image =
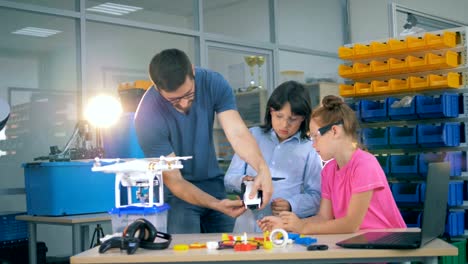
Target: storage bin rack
x,y
410,95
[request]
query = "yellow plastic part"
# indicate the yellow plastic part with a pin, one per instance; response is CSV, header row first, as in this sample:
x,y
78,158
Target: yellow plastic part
x,y
362,88
437,41
345,52
267,245
380,87
181,247
346,90
345,71
398,85
418,83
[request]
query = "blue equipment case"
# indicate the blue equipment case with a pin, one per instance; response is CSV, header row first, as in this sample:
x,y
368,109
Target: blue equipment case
x,y
67,188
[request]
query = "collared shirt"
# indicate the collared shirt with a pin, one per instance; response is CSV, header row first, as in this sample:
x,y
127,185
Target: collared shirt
x,y
295,160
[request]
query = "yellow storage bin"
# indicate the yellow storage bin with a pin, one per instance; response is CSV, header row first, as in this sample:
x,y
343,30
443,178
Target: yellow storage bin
x,y
397,65
362,88
418,83
361,69
397,46
451,80
346,90
398,85
447,60
361,50
416,63
380,87
143,84
379,67
439,41
345,71
415,43
379,48
345,53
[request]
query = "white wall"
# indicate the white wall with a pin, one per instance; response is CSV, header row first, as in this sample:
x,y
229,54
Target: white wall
x,y
369,18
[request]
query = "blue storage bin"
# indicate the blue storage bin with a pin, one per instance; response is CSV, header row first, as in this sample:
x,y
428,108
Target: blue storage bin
x,y
455,193
12,229
407,192
445,105
406,164
455,159
401,113
455,224
374,110
447,134
375,137
402,136
412,218
384,162
356,107
67,188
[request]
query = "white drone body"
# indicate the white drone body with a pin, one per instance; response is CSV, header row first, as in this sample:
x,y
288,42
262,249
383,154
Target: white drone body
x,y
140,173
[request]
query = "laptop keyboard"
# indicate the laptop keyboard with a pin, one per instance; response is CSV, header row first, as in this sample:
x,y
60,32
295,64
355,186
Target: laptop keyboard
x,y
399,238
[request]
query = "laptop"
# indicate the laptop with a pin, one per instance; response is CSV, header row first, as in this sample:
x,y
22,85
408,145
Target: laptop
x,y
433,222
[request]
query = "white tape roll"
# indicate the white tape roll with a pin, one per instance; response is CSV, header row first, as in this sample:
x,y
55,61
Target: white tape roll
x,y
279,242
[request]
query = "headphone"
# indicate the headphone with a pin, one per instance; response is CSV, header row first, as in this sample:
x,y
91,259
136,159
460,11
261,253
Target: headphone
x,y
147,233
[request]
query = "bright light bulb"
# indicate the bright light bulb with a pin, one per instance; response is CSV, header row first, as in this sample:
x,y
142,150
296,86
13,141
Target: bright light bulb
x,y
103,111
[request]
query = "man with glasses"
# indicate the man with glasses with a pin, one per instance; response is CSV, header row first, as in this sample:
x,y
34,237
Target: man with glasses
x,y
175,118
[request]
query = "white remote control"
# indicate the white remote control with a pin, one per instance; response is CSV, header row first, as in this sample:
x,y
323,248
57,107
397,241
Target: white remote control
x,y
254,203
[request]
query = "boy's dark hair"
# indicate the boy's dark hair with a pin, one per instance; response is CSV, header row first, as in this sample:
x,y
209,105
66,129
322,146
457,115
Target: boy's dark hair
x,y
169,69
297,96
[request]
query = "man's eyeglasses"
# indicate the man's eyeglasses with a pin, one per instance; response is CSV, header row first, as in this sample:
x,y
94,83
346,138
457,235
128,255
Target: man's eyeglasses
x,y
323,130
294,120
187,96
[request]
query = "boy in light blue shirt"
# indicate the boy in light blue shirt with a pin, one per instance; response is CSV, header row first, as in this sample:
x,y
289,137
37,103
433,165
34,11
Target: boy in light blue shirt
x,y
289,154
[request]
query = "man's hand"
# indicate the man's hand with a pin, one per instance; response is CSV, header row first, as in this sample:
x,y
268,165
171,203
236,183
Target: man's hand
x,y
232,208
279,205
263,182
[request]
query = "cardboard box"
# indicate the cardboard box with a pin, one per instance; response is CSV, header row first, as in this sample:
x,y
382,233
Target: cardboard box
x,y
67,188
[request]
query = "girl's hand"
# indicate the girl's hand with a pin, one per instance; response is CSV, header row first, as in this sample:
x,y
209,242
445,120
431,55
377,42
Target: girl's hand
x,y
291,222
269,223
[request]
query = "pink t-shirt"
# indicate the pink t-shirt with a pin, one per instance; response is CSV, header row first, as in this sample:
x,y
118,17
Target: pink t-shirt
x,y
362,173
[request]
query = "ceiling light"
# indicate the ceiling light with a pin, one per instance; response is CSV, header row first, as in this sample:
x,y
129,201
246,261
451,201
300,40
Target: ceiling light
x,y
36,32
114,9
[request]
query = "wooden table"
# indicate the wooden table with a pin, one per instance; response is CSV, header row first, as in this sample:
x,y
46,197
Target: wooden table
x,y
80,229
289,254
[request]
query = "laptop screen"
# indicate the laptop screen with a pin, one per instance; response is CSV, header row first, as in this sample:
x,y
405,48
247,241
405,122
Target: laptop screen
x,y
436,196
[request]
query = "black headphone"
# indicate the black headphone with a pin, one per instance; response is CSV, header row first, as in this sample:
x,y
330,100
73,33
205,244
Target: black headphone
x,y
147,233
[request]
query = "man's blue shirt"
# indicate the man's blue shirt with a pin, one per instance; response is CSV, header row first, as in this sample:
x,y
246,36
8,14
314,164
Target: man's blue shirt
x,y
161,129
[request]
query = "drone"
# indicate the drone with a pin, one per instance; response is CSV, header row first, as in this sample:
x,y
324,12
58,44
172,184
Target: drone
x,y
141,173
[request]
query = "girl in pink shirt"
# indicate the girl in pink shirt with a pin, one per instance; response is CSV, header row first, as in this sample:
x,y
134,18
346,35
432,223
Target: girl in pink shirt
x,y
355,191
